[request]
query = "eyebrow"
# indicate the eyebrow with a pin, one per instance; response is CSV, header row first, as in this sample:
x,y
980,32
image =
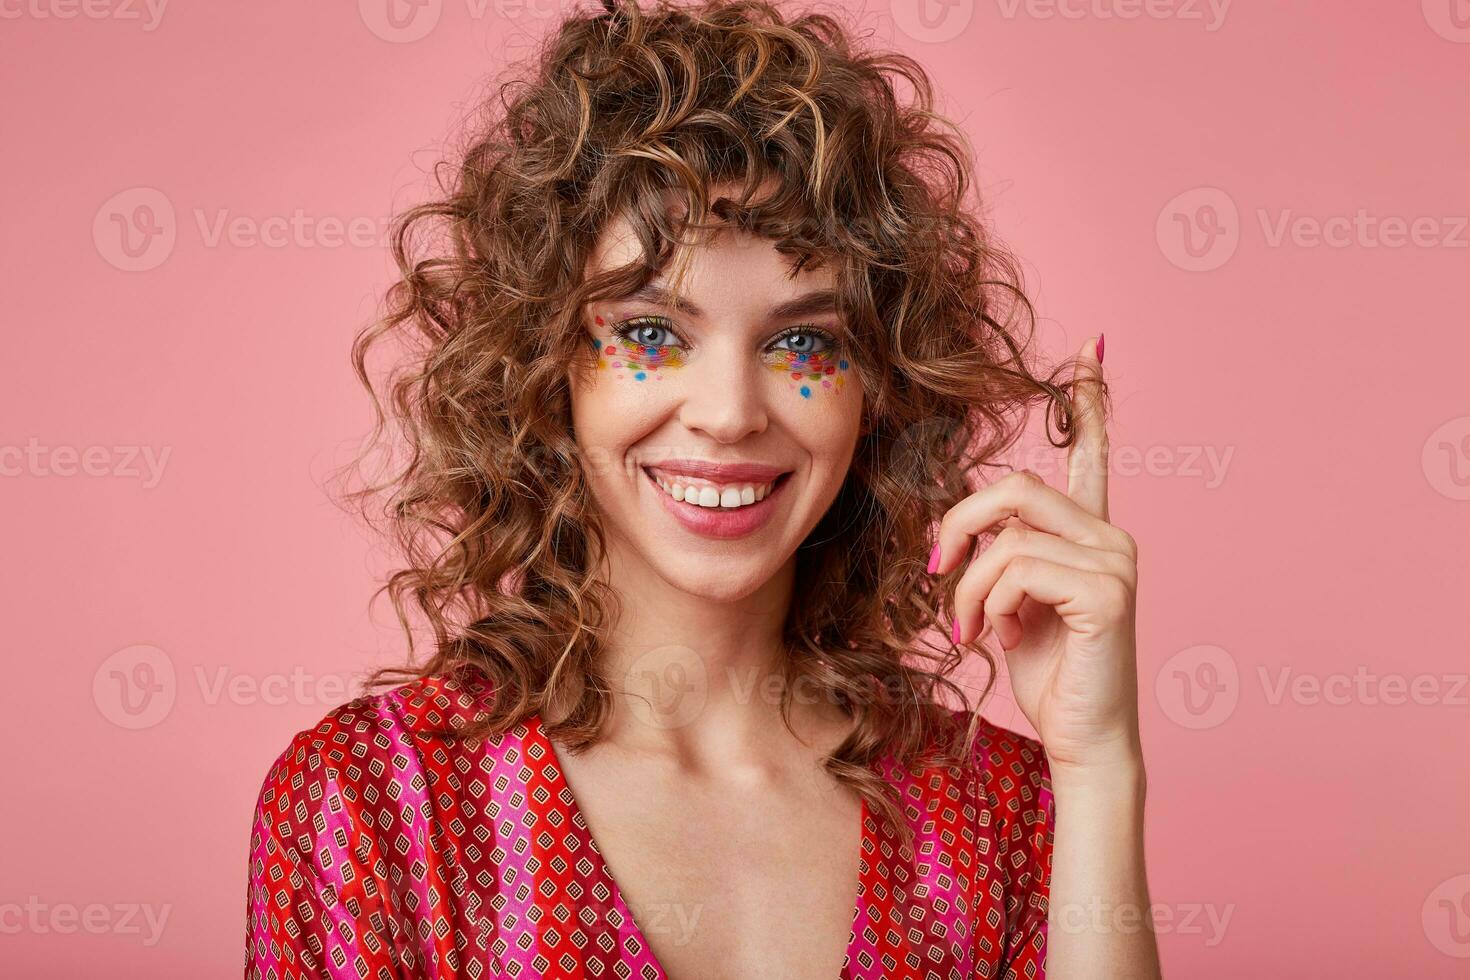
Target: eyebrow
x,y
808,304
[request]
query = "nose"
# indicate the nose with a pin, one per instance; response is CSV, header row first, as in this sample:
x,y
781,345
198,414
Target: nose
x,y
724,395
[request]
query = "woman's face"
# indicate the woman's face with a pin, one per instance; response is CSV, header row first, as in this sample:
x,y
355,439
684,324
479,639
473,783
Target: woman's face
x,y
745,373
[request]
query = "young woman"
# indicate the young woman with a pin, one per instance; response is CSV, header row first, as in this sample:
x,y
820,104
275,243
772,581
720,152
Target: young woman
x,y
695,380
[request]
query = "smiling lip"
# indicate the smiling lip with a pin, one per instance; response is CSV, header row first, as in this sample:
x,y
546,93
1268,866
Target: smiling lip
x,y
754,473
717,522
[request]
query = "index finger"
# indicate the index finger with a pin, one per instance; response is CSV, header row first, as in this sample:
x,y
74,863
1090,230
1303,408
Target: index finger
x,y
1087,458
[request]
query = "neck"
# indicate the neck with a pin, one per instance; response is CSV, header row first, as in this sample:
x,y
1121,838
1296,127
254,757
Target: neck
x,y
698,680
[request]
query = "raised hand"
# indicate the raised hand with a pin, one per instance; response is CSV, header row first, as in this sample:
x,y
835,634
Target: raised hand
x,y
1057,587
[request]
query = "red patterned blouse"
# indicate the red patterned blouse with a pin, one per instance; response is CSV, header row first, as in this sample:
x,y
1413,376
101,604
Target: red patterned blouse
x,y
382,852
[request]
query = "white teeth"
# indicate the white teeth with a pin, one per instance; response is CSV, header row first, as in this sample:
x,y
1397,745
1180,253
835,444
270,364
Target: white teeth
x,y
738,495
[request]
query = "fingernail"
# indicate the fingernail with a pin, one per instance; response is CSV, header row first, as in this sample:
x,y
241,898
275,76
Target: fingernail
x,y
1099,348
954,630
934,558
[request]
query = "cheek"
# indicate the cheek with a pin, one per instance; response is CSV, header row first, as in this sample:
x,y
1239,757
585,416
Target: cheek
x,y
617,394
819,399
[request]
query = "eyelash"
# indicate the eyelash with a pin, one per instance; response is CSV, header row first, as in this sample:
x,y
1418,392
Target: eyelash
x,y
627,327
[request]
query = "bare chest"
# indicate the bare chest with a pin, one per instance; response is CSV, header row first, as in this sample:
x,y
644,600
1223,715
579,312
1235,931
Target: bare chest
x,y
725,883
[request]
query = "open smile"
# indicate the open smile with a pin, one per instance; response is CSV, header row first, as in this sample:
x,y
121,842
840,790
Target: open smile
x,y
718,511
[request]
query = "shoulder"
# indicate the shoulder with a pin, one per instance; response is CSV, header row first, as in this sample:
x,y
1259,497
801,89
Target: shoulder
x,y
323,770
372,722
362,756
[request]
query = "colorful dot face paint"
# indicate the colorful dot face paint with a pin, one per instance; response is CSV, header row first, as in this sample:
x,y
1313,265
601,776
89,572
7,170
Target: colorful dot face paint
x,y
626,358
810,374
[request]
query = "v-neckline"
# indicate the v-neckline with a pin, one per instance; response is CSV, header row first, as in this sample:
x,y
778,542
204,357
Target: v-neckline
x,y
563,788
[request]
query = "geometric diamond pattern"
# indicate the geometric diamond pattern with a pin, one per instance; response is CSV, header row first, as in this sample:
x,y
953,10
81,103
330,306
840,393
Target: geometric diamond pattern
x,y
381,851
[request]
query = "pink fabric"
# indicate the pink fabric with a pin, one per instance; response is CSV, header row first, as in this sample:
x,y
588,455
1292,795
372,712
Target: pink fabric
x,y
380,850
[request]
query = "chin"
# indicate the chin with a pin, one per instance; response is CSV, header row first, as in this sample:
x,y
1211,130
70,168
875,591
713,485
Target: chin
x,y
713,579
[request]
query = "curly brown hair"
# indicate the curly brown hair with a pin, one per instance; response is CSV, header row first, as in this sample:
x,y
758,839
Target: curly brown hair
x,y
491,508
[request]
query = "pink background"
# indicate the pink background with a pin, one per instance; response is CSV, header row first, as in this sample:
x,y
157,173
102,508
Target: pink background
x,y
1311,831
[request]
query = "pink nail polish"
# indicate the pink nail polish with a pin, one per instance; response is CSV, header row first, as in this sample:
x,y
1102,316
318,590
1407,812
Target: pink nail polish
x,y
1099,348
954,630
934,558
